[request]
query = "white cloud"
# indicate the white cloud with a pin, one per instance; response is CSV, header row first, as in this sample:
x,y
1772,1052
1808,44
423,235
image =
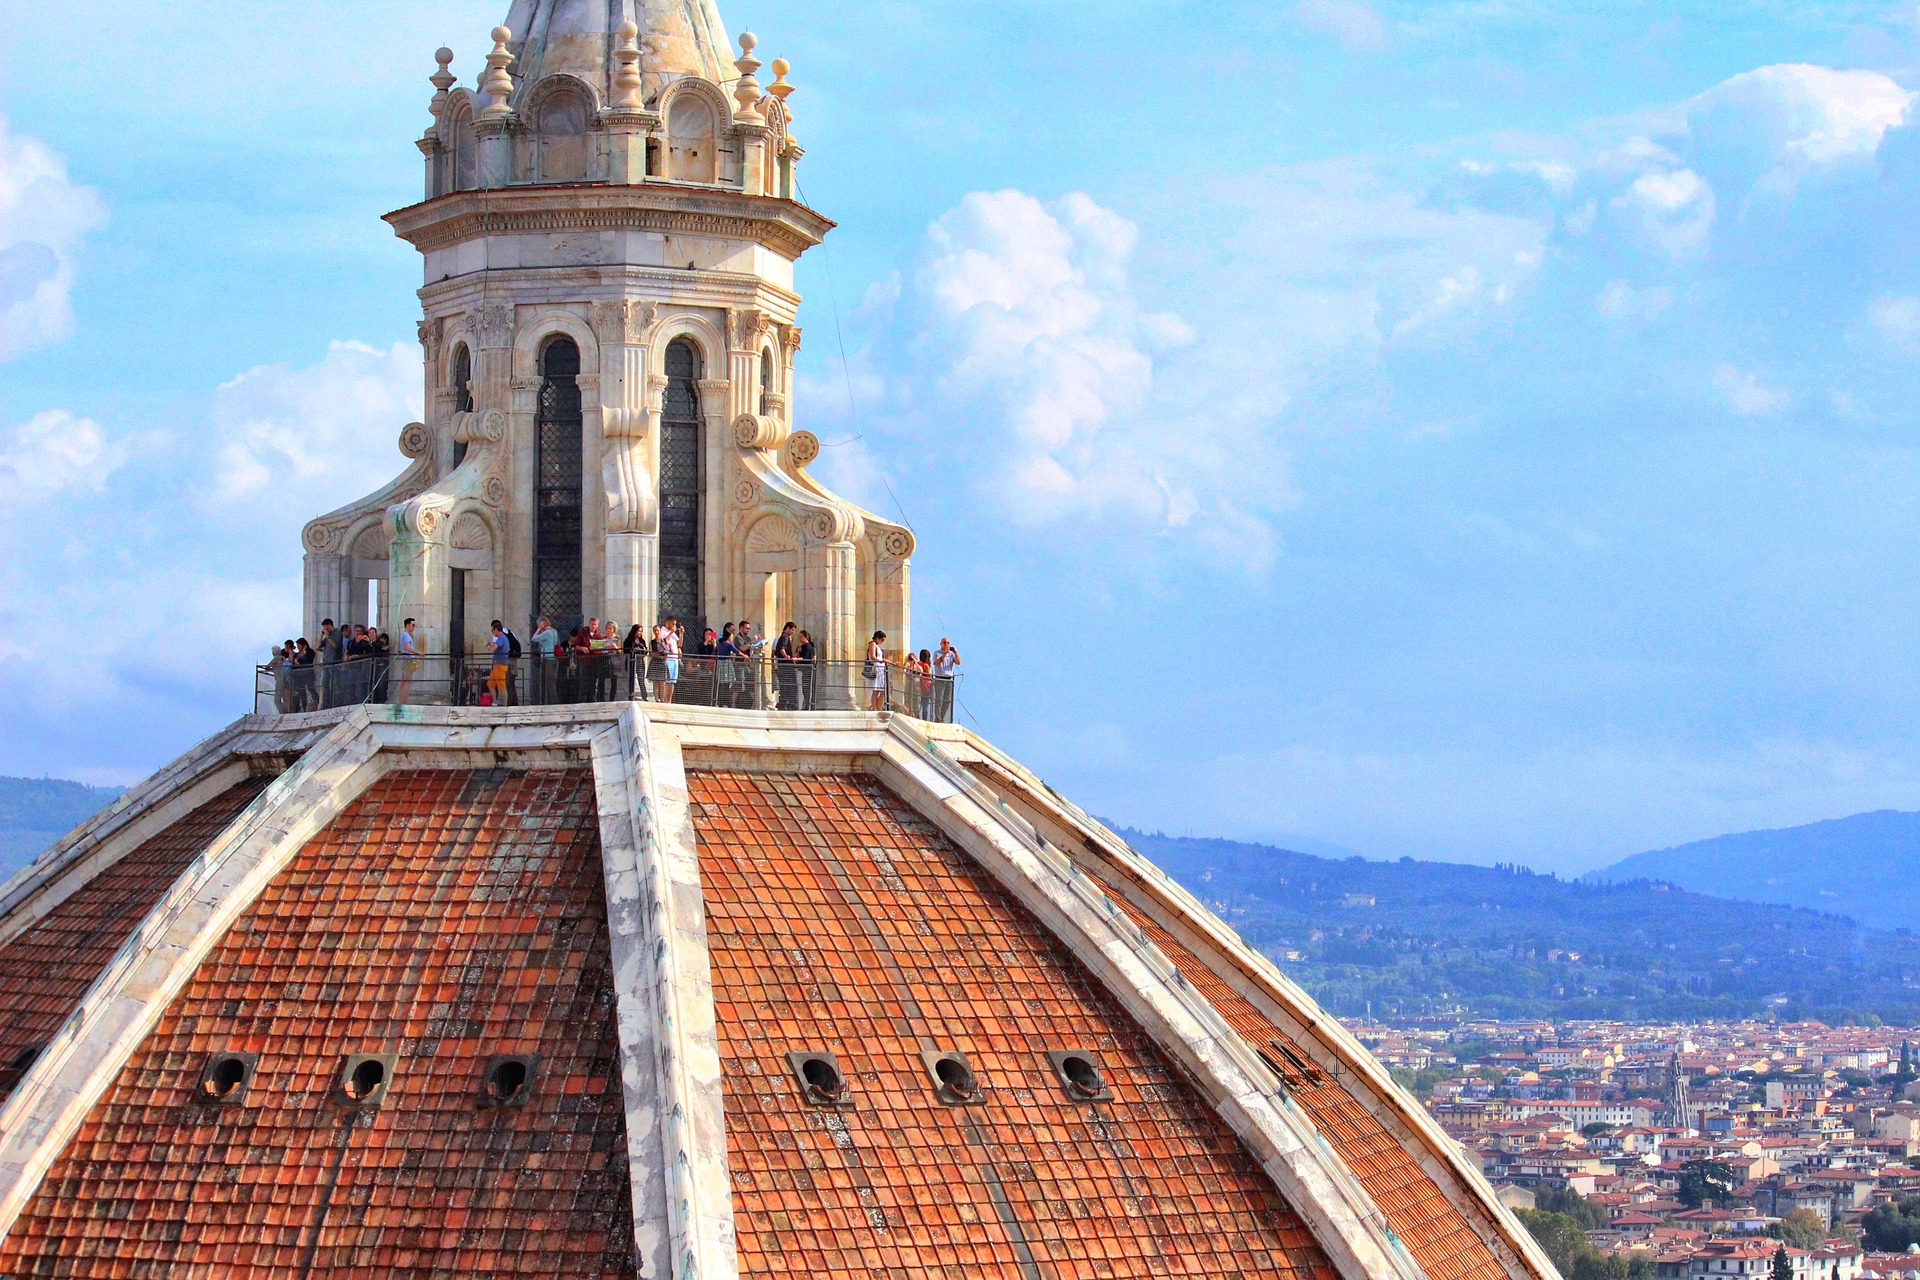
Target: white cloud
x,y
1746,394
1754,138
178,584
1801,114
55,453
1673,209
323,432
1621,301
1453,293
1364,262
1044,329
43,218
1354,23
1557,174
1896,317
1102,413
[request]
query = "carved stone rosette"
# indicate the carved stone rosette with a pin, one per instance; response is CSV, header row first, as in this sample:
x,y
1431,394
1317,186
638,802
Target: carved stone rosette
x,y
415,440
322,537
801,449
836,523
751,431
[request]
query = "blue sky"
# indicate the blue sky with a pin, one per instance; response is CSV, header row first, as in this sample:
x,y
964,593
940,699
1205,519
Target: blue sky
x,y
1480,430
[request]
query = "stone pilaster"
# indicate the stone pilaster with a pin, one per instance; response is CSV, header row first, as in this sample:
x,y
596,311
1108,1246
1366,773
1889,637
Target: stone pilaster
x,y
827,593
719,570
632,542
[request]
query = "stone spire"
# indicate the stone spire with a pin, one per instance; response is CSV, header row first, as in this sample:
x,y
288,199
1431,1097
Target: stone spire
x,y
581,37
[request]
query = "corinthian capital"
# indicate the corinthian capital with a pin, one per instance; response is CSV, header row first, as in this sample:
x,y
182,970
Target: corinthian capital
x,y
749,324
494,323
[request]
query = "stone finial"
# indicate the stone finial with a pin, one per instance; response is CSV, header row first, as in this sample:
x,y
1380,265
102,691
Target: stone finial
x,y
746,91
626,77
442,80
782,89
497,84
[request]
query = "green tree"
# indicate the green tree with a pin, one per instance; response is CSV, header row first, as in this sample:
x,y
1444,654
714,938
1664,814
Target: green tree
x,y
1704,1180
1561,1239
1802,1229
1589,1217
1420,1083
1890,1228
1595,1129
1782,1265
1574,1256
1595,1265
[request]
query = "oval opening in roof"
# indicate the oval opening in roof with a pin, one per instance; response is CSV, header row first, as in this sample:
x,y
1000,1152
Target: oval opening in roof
x,y
508,1079
225,1075
1082,1076
824,1080
366,1077
956,1077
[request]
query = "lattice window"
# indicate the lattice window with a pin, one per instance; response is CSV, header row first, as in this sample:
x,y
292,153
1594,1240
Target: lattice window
x,y
462,379
462,394
558,474
680,594
680,489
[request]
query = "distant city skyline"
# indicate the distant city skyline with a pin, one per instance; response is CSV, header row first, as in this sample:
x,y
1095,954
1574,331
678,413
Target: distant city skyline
x,y
1460,431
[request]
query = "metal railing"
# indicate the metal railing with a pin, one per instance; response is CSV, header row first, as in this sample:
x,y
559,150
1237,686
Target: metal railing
x,y
757,683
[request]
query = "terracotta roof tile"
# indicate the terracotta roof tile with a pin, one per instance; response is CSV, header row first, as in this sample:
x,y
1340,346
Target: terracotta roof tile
x,y
49,966
838,920
446,918
1436,1232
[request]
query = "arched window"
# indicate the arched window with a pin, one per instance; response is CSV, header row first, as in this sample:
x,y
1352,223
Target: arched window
x,y
462,384
691,154
462,380
466,150
558,474
563,137
680,489
766,383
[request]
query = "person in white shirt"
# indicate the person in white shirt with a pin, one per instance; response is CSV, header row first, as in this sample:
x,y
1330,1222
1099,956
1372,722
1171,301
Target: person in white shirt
x,y
945,663
406,649
875,672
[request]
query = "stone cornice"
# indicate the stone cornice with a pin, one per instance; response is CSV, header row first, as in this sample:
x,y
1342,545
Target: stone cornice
x,y
784,226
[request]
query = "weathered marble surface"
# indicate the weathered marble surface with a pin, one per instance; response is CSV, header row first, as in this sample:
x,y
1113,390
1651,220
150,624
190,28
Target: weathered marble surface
x,y
626,187
670,1063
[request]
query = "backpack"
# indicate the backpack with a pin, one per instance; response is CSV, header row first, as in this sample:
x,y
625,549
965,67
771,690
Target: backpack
x,y
513,645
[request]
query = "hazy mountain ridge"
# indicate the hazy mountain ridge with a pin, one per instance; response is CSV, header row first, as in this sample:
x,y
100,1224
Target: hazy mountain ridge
x,y
1645,937
1857,866
35,812
1429,938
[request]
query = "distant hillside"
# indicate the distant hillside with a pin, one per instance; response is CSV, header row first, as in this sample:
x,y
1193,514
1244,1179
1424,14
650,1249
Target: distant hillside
x,y
1413,938
1866,866
34,812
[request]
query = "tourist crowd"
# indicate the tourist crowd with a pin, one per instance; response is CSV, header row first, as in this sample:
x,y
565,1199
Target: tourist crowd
x,y
730,667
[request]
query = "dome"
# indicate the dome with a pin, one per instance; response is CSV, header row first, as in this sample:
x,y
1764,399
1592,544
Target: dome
x,y
577,37
652,991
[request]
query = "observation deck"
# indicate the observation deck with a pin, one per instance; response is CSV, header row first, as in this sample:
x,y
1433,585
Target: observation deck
x,y
743,683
